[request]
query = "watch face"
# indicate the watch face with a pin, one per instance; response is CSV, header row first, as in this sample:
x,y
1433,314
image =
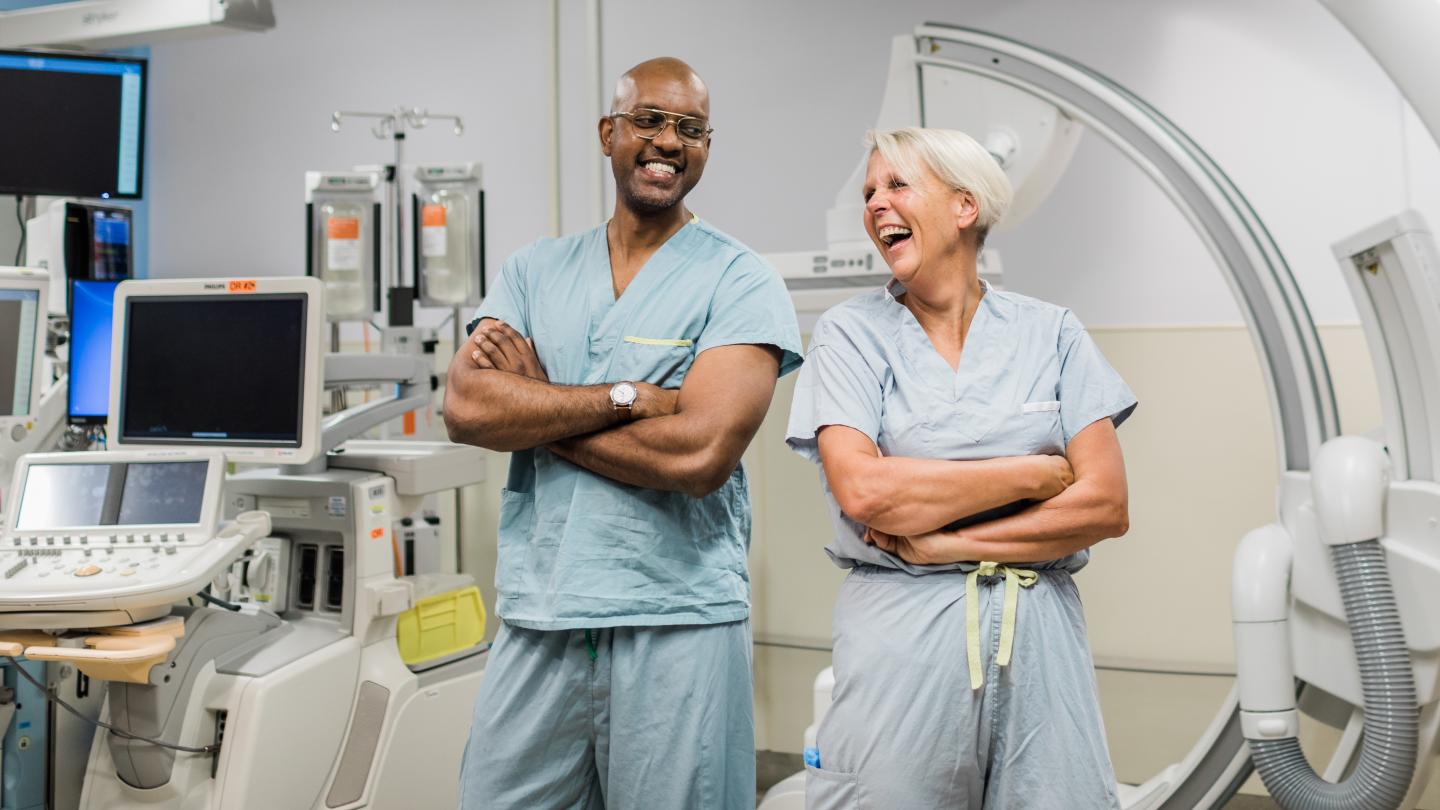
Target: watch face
x,y
623,394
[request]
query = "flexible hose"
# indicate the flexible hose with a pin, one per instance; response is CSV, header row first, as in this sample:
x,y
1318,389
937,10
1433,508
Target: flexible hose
x,y
1388,750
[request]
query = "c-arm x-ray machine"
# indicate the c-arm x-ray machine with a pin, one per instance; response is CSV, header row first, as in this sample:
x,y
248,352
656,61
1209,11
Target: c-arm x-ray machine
x,y
1334,603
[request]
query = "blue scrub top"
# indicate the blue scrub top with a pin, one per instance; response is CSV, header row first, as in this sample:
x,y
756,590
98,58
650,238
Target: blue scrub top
x,y
578,550
1030,378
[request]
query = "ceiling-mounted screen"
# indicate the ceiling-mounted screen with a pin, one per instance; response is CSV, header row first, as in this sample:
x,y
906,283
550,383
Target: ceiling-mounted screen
x,y
77,125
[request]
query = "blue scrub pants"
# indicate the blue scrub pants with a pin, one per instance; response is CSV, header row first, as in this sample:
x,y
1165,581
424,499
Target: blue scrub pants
x,y
627,718
906,731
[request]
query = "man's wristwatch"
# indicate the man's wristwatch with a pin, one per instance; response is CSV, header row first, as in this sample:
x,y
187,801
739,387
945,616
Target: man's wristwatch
x,y
622,398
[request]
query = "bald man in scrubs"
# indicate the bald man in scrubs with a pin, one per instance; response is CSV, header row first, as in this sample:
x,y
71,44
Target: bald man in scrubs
x,y
626,368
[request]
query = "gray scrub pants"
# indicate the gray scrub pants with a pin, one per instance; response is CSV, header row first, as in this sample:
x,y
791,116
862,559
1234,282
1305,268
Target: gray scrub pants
x,y
627,718
906,732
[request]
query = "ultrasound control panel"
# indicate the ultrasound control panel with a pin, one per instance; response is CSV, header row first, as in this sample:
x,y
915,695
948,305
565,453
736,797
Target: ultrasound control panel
x,y
116,530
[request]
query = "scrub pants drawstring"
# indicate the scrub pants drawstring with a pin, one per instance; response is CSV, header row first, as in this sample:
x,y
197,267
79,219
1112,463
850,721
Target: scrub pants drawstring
x,y
1015,579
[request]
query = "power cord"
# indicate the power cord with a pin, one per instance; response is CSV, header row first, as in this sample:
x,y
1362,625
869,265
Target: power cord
x,y
217,602
19,220
54,698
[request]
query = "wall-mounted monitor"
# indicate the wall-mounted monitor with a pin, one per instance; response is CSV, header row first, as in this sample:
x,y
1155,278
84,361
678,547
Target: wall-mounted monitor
x,y
76,125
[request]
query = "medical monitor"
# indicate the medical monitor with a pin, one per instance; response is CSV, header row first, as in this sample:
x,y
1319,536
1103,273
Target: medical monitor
x,y
22,343
97,241
232,364
80,124
91,308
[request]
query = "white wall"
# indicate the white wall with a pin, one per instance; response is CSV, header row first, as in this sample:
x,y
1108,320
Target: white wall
x,y
237,120
1292,107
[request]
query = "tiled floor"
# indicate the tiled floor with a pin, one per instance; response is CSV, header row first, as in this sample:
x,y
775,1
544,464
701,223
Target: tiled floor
x,y
772,766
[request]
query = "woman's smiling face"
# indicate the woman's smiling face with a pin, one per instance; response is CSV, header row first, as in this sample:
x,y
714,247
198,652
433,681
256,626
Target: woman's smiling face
x,y
915,222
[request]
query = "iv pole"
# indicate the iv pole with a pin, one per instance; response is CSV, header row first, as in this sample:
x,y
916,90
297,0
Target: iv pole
x,y
392,126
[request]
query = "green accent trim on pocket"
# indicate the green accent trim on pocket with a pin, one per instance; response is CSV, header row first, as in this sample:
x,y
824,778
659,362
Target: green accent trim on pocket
x,y
659,341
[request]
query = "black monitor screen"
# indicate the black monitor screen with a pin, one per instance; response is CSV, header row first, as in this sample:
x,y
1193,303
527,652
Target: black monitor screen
x,y
82,125
214,370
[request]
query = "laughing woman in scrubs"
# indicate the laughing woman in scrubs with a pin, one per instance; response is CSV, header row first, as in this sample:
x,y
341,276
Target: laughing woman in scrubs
x,y
966,438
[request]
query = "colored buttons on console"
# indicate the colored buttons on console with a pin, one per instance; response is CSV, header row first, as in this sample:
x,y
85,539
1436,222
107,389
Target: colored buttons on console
x,y
88,570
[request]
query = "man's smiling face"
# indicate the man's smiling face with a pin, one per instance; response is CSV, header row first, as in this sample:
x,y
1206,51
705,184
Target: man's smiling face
x,y
655,174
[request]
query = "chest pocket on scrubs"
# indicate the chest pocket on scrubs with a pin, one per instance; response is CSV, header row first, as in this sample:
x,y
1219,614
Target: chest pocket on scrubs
x,y
659,361
1037,425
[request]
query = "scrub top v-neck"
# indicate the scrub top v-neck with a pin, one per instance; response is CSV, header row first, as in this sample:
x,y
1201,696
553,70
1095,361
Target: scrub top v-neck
x,y
1029,379
578,550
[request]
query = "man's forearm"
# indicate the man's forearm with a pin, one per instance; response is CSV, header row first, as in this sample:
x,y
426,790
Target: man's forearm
x,y
670,453
505,412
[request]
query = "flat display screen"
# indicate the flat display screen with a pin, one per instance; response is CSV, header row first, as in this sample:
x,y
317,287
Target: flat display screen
x,y
162,493
91,311
59,495
19,320
150,493
84,124
221,370
106,257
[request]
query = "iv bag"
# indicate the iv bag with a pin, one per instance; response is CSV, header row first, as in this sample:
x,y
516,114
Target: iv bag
x,y
446,258
342,261
344,212
448,235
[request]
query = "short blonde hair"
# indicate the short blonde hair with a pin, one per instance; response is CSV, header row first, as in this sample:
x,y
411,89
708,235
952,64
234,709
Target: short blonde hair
x,y
957,160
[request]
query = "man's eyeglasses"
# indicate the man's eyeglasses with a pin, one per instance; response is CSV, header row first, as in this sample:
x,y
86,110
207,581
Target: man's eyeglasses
x,y
648,124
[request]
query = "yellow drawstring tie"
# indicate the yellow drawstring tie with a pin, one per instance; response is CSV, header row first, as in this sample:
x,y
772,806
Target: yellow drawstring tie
x,y
1015,579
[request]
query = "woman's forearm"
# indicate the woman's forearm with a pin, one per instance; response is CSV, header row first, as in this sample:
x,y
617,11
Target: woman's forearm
x,y
958,547
911,496
1072,521
1085,513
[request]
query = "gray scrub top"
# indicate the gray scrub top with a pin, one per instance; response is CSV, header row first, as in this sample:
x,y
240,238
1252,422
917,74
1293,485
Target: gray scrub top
x,y
579,550
1030,378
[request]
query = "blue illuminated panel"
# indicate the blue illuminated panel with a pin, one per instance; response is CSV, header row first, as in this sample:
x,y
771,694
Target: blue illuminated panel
x,y
91,312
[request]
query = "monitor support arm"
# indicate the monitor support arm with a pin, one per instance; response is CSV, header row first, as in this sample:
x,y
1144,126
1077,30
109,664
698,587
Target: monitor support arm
x,y
411,376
